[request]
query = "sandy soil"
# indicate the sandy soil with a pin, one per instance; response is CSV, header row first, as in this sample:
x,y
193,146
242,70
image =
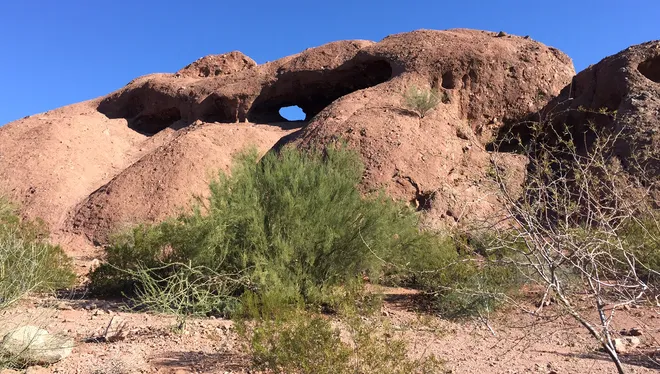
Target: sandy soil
x,y
508,342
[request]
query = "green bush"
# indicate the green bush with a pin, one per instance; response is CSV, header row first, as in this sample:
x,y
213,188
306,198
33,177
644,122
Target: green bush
x,y
293,225
304,343
298,344
422,101
293,229
184,291
642,240
479,287
461,275
27,262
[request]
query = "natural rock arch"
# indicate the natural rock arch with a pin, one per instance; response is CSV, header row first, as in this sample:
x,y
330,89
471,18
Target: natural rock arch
x,y
312,91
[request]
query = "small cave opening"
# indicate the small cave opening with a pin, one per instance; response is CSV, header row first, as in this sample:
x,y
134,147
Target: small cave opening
x,y
448,81
423,200
313,90
216,108
293,113
651,69
151,124
146,109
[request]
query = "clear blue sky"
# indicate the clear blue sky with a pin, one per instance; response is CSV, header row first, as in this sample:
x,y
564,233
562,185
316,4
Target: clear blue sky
x,y
58,52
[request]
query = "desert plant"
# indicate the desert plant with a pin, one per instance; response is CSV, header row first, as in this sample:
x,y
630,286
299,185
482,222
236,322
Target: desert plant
x,y
304,343
376,350
584,227
28,263
297,344
183,290
422,101
458,276
293,224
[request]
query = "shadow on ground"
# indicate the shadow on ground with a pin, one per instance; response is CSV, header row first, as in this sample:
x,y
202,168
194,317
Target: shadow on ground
x,y
201,361
649,359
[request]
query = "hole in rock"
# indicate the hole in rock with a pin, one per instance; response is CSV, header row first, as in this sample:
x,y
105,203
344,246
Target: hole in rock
x,y
651,69
314,90
222,109
146,109
423,200
292,113
448,81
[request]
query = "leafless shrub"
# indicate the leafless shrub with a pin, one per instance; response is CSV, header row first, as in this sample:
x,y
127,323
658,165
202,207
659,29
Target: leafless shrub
x,y
585,229
114,331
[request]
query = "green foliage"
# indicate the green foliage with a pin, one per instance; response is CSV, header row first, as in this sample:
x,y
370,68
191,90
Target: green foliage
x,y
479,287
422,101
346,299
465,281
267,306
641,237
290,231
352,299
27,262
377,351
292,226
300,342
184,291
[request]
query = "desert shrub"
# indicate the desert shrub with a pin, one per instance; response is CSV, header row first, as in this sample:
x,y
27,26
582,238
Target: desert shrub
x,y
27,262
422,101
292,225
184,291
642,241
297,344
462,276
300,342
345,299
376,350
586,225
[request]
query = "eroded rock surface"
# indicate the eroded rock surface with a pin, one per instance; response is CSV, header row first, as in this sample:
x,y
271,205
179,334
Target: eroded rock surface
x,y
620,95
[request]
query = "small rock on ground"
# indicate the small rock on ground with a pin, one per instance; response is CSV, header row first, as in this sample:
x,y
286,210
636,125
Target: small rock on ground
x,y
35,346
627,344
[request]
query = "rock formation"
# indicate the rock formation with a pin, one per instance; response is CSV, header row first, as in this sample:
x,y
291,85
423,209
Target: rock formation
x,y
140,153
621,94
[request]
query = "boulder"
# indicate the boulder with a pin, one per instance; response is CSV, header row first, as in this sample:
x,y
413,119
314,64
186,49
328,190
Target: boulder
x,y
440,163
33,345
621,95
163,182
